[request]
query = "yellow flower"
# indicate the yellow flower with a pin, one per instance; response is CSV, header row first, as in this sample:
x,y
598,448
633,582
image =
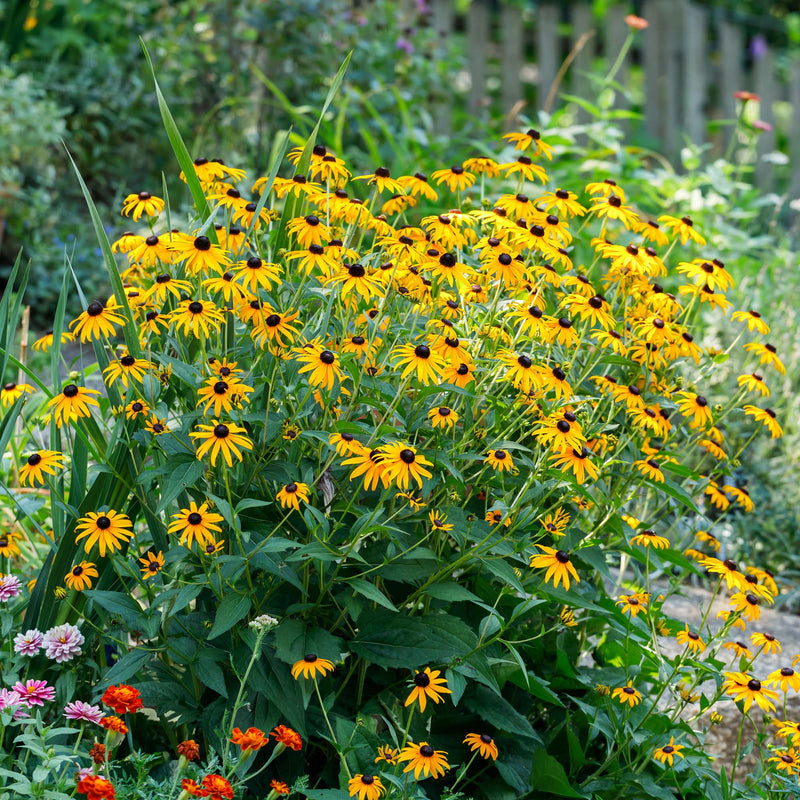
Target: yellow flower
x,y
311,665
291,495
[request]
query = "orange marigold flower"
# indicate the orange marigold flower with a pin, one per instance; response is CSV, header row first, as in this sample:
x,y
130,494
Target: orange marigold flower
x,y
216,787
279,787
114,724
97,753
287,737
189,749
251,739
192,788
123,699
96,788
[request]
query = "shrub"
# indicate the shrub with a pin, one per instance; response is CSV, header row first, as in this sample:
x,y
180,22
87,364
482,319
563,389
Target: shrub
x,y
399,469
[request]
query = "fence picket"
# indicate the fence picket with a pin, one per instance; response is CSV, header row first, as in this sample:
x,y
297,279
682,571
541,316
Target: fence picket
x,y
547,49
765,88
695,36
478,33
511,56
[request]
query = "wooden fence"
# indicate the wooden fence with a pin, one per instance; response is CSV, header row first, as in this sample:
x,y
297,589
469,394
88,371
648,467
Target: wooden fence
x,y
689,62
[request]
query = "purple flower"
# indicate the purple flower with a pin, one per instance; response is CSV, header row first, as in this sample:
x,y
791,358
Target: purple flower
x,y
8,699
63,642
34,693
83,712
758,46
28,643
10,586
403,44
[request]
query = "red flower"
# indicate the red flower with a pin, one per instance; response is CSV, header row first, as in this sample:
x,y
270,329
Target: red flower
x,y
122,698
96,788
190,787
189,749
279,787
217,788
114,724
251,739
287,737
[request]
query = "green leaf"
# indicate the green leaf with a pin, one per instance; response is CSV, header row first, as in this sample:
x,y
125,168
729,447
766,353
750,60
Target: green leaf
x,y
293,639
497,711
371,592
389,640
210,674
179,148
127,666
183,473
232,609
548,775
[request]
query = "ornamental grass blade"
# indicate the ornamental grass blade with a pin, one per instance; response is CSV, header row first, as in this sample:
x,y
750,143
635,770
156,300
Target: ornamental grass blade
x,y
130,332
179,148
292,203
11,308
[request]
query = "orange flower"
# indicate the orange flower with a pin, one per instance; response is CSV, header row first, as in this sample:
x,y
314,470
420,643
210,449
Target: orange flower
x,y
123,699
251,739
637,23
189,749
192,788
97,753
114,724
287,737
217,788
96,788
279,787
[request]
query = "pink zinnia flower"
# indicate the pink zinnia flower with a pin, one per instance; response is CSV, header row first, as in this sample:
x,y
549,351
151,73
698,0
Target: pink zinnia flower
x,y
34,693
10,586
63,642
8,699
28,643
83,712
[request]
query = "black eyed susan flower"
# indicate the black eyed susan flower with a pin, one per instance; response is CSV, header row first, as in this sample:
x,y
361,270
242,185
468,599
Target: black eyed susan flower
x,y
753,383
274,327
420,360
345,443
456,178
39,464
691,640
560,431
766,416
387,753
567,617
72,404
633,604
225,438
784,679
427,684
417,185
746,603
499,460
555,522
709,539
439,521
382,181
355,279
754,320
667,752
200,255
108,530
767,354
683,227
530,139
613,207
459,373
424,760
741,687
156,426
126,368
291,495
221,395
367,787
558,564
483,744
310,666
787,761
443,417
195,523
97,321
627,695
369,463
44,343
740,649
196,317
80,576
135,205
8,545
152,250
151,564
766,641
322,365
577,461
648,538
401,463
11,392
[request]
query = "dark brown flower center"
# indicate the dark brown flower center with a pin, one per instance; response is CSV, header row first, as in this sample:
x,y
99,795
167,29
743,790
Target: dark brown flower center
x,y
426,751
562,556
34,459
94,309
71,390
103,522
407,456
195,307
221,431
326,357
202,243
